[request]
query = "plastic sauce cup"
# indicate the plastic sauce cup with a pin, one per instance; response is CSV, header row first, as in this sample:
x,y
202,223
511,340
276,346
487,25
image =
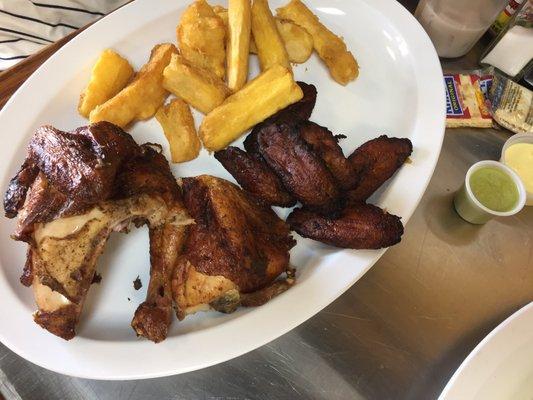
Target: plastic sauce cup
x,y
516,139
471,209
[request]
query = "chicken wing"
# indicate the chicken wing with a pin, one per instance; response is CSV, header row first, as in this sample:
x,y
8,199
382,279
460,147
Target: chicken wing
x,y
358,226
255,177
376,161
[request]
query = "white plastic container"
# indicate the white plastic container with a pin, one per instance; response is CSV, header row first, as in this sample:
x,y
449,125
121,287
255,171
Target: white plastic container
x,y
515,139
454,26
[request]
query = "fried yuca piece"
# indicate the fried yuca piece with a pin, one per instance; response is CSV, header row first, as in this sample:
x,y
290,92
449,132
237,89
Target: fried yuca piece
x,y
238,44
201,88
143,96
178,125
331,48
201,36
222,13
108,77
260,98
298,42
270,46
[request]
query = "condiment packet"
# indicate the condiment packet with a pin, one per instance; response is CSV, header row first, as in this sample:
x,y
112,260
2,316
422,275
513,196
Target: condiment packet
x,y
512,104
465,100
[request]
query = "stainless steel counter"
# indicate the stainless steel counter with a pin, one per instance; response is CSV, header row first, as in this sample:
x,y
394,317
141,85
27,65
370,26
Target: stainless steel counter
x,y
398,333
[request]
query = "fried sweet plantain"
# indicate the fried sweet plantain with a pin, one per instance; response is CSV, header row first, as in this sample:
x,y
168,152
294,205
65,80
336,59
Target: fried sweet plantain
x,y
358,226
325,145
255,176
291,115
302,172
376,161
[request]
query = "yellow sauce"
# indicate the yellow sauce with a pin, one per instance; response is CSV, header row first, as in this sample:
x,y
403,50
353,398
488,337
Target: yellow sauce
x,y
519,157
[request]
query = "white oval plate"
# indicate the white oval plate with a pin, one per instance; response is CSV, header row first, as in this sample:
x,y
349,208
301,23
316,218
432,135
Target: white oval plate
x,y
501,365
399,92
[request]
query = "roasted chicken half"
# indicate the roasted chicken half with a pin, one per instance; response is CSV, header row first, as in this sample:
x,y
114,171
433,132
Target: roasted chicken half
x,y
234,252
72,191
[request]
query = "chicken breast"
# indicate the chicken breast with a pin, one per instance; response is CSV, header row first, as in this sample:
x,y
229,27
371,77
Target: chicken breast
x,y
236,246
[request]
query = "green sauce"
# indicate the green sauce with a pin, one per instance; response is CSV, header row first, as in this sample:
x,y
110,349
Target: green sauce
x,y
494,189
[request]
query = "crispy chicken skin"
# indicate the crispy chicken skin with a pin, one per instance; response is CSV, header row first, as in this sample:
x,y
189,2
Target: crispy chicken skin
x,y
235,246
74,170
18,187
376,161
302,172
326,146
254,176
358,226
73,190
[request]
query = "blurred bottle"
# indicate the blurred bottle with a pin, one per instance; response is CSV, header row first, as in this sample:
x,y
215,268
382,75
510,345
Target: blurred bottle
x,y
454,26
511,51
505,16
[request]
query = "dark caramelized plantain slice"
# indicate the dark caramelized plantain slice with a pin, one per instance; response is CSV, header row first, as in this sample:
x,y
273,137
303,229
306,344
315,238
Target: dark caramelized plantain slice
x,y
302,172
358,226
326,146
255,177
376,161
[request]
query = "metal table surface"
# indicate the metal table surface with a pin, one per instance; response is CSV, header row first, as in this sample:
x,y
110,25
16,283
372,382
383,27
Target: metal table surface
x,y
398,333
